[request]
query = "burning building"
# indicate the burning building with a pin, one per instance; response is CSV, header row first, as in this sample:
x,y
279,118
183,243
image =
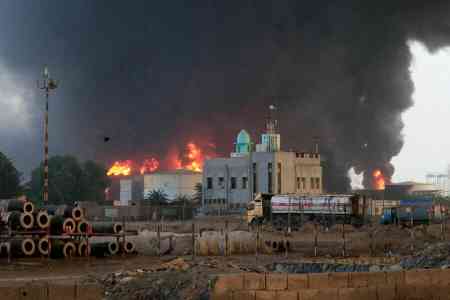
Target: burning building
x,y
176,174
229,183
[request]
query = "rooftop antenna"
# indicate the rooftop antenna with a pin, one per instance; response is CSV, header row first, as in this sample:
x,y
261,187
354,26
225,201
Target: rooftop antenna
x,y
272,124
47,84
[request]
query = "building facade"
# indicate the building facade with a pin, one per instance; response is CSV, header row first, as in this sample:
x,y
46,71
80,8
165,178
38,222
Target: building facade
x,y
230,183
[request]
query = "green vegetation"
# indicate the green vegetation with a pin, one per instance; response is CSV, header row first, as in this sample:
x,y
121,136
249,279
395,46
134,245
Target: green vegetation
x,y
9,178
69,181
156,197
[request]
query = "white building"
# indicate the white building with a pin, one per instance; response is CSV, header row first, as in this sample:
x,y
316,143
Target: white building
x,y
172,183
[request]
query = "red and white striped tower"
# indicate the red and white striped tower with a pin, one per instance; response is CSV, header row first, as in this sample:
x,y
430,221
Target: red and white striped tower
x,y
47,85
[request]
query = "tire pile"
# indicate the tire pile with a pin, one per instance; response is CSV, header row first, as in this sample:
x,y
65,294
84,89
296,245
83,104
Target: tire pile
x,y
56,232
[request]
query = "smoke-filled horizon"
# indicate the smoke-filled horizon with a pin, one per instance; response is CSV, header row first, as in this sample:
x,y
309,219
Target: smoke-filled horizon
x,y
155,75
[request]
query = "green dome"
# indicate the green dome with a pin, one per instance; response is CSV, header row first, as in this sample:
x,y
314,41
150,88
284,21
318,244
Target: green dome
x,y
243,137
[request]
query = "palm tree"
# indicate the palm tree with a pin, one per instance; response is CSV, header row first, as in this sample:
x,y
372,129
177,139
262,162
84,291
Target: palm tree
x,y
156,197
197,198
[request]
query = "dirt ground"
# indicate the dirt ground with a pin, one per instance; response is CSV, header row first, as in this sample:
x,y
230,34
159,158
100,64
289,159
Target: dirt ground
x,y
179,275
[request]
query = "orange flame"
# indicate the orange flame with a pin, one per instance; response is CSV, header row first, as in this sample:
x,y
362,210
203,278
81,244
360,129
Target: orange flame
x,y
379,180
192,159
120,168
149,166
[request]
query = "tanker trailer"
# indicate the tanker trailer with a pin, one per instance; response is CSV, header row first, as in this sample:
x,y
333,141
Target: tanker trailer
x,y
294,210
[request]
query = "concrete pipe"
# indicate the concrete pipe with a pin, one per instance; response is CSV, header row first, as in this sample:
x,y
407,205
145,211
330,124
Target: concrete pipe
x,y
43,220
4,247
82,227
69,249
44,246
26,220
106,227
75,213
69,226
113,247
13,219
23,247
129,247
84,249
28,207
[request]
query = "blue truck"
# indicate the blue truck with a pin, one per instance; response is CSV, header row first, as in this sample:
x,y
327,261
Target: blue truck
x,y
410,212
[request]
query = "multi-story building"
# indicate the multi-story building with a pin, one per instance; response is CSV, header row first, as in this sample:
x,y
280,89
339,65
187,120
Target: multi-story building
x,y
229,183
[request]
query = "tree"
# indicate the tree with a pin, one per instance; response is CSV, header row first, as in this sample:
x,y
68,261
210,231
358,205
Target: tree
x,y
156,197
182,200
197,198
9,178
70,181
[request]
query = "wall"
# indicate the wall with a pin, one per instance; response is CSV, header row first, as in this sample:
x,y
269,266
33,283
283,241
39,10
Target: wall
x,y
416,284
51,291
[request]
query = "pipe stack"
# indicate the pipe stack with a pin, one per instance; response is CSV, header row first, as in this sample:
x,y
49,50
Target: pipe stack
x,y
58,232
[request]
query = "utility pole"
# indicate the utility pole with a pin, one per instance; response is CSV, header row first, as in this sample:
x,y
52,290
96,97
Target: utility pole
x,y
46,84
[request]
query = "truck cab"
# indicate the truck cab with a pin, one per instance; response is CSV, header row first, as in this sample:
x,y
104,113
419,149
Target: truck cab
x,y
258,208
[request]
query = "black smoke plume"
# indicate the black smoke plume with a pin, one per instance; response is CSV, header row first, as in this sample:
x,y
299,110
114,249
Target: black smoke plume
x,y
153,74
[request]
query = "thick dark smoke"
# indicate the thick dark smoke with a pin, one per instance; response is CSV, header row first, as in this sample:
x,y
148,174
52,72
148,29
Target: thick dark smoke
x,y
152,75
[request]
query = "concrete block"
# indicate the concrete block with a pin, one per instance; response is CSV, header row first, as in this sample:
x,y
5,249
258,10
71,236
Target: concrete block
x,y
275,281
33,292
319,294
386,292
222,295
297,281
61,291
9,292
230,282
243,295
396,278
418,277
318,280
254,281
265,295
338,280
445,277
366,279
415,292
286,295
90,292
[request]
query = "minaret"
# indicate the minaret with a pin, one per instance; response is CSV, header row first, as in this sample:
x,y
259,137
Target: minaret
x,y
271,139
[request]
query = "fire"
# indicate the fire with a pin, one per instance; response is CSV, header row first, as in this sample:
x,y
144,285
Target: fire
x,y
192,158
149,166
379,180
120,168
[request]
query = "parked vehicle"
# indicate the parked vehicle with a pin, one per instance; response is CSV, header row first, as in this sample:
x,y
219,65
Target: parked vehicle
x,y
294,210
409,213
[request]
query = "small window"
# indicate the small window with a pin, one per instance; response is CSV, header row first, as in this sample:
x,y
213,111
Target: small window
x,y
303,183
318,183
298,183
221,181
209,183
312,183
244,182
233,183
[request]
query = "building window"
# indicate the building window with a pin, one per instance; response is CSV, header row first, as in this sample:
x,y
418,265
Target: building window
x,y
298,183
312,183
255,183
279,178
209,183
304,183
269,178
244,182
221,181
233,183
318,183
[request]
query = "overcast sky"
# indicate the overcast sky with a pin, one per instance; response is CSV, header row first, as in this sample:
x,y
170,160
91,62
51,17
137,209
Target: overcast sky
x,y
427,123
